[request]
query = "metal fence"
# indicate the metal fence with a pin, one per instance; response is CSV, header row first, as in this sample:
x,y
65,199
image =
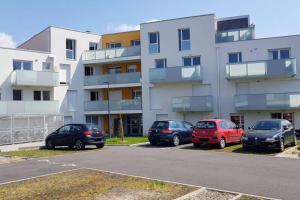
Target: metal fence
x,y
27,128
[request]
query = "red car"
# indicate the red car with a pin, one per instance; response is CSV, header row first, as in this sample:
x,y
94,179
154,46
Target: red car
x,y
216,131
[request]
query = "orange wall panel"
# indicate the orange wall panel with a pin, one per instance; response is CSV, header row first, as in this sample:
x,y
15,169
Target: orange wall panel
x,y
124,38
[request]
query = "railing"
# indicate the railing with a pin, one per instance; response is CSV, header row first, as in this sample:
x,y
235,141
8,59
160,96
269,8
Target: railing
x,y
235,35
35,78
264,69
121,105
29,107
104,54
120,78
272,101
192,104
175,74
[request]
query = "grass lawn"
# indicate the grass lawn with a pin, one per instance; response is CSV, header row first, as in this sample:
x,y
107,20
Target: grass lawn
x,y
91,184
127,140
36,153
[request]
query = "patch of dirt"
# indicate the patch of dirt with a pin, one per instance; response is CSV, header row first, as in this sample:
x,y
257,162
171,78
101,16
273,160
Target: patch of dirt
x,y
10,159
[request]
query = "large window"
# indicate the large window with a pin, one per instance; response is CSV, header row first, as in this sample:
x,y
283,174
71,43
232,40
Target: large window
x,y
22,65
154,46
235,57
92,119
135,42
283,115
191,61
276,54
93,46
161,63
70,49
137,94
17,95
184,39
114,70
94,96
113,45
88,71
41,95
132,68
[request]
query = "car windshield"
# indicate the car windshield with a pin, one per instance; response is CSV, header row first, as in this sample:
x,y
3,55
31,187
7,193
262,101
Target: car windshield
x,y
92,127
266,125
205,125
160,124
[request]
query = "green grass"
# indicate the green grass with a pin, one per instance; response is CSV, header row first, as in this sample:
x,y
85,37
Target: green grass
x,y
127,140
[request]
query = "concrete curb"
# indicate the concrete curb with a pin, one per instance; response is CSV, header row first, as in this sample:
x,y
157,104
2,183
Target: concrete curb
x,y
139,144
191,194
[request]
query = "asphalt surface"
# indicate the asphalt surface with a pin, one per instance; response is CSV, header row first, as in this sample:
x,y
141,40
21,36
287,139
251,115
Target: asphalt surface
x,y
262,175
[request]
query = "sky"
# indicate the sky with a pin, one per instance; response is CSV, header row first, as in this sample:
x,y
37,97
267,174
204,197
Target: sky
x,y
21,19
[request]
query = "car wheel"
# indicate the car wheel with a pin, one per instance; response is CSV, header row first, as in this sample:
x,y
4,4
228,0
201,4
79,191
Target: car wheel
x,y
196,144
281,145
49,144
294,143
245,148
99,146
79,145
71,146
153,143
176,140
222,143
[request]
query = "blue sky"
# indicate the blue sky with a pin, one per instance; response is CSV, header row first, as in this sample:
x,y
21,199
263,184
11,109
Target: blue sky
x,y
22,19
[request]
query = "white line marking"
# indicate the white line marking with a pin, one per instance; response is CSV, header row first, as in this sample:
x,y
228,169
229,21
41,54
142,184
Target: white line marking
x,y
68,165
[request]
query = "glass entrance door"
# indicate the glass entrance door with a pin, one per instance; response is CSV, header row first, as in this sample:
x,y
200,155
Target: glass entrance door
x,y
134,125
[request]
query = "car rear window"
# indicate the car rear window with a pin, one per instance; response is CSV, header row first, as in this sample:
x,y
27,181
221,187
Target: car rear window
x,y
160,124
206,125
92,127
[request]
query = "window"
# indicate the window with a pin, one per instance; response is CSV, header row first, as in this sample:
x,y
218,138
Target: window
x,y
22,65
285,115
70,49
41,95
64,74
137,94
131,68
235,57
114,70
277,54
64,129
135,42
224,125
161,63
17,95
184,39
113,45
175,124
94,96
187,125
93,46
46,66
191,61
154,46
238,119
206,124
88,71
91,119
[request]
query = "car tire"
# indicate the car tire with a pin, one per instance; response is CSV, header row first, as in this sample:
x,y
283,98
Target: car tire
x,y
79,145
49,144
100,146
281,145
176,140
294,143
153,143
196,144
245,148
71,146
222,143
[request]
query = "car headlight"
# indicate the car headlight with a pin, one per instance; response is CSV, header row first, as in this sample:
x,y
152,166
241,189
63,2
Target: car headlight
x,y
244,138
270,139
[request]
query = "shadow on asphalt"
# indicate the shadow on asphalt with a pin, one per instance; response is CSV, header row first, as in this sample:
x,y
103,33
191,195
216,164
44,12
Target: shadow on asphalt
x,y
87,148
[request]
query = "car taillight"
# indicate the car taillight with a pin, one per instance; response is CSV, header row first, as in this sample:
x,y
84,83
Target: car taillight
x,y
87,133
166,131
216,133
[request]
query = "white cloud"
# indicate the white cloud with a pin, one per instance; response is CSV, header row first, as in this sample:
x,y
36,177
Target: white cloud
x,y
7,40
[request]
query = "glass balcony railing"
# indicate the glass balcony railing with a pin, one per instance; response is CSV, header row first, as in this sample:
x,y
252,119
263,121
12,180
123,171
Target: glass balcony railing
x,y
120,78
121,105
235,35
34,78
106,54
273,101
192,104
175,74
29,107
262,69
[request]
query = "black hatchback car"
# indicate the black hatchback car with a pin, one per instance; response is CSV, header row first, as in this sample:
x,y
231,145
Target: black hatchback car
x,y
172,131
272,133
76,135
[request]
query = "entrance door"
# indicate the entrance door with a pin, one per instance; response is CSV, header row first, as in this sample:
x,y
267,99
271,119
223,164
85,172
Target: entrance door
x,y
134,125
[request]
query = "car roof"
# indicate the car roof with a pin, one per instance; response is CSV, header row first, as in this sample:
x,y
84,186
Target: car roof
x,y
213,120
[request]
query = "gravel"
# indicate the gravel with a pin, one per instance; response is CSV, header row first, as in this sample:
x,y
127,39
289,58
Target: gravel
x,y
205,194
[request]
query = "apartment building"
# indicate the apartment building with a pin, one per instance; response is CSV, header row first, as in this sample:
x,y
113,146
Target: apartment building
x,y
188,68
112,84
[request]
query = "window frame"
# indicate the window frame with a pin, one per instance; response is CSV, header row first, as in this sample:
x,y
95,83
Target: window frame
x,y
152,44
96,93
22,65
93,46
164,62
113,45
90,71
21,95
133,42
73,50
192,60
181,40
239,57
278,53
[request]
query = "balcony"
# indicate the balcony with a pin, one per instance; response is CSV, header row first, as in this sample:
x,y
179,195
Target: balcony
x,y
192,104
275,101
34,78
112,55
175,74
115,80
120,106
235,35
29,107
284,68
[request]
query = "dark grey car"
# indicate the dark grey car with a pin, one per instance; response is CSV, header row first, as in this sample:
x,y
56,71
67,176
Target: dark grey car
x,y
271,133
